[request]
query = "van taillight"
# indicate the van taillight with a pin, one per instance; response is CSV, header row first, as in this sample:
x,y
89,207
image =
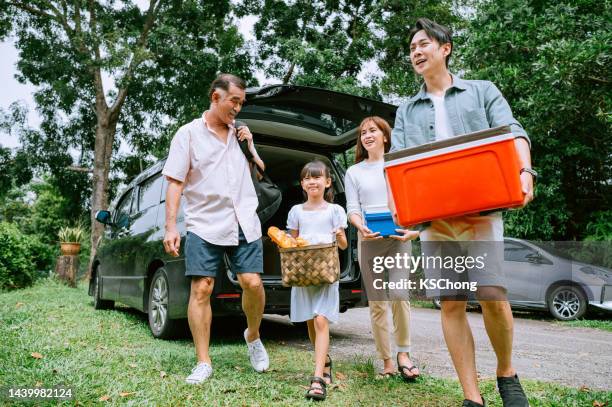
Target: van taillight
x,y
233,295
355,291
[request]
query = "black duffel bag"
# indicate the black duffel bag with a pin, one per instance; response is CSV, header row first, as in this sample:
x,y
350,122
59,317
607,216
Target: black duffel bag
x,y
269,194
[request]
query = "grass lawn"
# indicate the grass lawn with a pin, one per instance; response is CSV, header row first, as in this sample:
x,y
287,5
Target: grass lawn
x,y
109,357
602,322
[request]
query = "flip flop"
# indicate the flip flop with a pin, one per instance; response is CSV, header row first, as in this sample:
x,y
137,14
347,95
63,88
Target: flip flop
x,y
401,368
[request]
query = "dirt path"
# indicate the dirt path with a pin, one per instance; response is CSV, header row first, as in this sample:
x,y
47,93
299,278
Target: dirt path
x,y
542,350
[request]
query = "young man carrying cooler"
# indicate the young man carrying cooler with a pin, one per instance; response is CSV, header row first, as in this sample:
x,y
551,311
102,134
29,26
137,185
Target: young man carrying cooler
x,y
208,167
447,106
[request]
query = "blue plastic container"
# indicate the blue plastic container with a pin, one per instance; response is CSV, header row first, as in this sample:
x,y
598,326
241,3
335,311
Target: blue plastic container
x,y
381,222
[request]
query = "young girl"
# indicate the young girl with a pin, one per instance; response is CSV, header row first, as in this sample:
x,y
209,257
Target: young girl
x,y
319,221
366,189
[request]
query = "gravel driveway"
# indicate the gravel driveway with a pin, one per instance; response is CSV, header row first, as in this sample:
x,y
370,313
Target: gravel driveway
x,y
543,350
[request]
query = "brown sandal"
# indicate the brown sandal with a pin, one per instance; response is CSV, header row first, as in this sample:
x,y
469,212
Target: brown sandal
x,y
331,373
310,394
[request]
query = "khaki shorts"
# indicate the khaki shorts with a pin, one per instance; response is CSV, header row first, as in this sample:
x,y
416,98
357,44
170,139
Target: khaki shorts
x,y
458,241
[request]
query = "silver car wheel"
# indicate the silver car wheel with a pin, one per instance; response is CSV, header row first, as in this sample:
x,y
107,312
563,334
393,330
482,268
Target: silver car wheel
x,y
159,304
566,303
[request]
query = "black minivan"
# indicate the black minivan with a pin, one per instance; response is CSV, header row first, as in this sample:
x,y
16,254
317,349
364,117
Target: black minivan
x,y
291,126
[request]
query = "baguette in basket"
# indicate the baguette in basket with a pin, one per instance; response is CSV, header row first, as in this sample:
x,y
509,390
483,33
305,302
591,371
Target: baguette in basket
x,y
283,240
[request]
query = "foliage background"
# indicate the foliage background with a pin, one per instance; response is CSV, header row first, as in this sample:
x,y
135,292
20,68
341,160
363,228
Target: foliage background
x,y
551,61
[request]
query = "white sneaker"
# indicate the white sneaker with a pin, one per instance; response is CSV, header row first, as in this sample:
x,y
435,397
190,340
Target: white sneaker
x,y
199,373
257,354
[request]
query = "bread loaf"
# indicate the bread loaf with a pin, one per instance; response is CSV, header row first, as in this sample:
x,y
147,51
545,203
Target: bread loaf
x,y
281,238
301,242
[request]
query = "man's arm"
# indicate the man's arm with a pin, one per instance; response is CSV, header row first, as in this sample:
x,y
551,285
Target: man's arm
x,y
172,239
398,141
522,149
499,113
245,133
256,157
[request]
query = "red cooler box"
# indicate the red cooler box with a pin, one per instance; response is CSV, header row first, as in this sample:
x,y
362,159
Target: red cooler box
x,y
462,175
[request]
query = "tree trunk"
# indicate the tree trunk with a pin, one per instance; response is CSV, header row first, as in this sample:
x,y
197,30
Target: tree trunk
x,y
105,136
67,268
289,73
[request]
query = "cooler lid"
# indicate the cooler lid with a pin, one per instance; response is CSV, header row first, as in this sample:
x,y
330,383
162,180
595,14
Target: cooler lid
x,y
378,216
478,138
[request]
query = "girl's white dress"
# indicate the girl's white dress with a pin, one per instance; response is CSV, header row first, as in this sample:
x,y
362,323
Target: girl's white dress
x,y
317,227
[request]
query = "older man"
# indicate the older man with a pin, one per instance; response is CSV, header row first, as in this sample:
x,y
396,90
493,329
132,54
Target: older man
x,y
207,166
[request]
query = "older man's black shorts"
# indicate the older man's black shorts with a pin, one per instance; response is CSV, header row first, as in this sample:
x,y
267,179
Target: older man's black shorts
x,y
204,259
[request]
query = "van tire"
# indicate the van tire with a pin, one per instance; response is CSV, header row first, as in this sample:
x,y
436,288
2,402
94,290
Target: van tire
x,y
162,327
99,303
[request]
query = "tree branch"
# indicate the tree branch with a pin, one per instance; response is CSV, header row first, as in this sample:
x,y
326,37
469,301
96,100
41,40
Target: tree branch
x,y
62,19
141,43
95,68
79,169
598,79
32,10
289,74
77,17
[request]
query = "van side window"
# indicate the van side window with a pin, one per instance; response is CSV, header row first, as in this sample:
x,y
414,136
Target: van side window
x,y
122,213
149,192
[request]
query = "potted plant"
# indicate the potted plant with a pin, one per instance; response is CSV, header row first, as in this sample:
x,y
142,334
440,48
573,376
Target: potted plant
x,y
70,239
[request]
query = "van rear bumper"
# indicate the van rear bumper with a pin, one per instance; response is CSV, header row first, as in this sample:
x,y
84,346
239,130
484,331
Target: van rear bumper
x,y
278,300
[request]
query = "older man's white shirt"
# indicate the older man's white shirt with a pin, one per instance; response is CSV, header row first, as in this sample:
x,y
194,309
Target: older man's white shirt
x,y
219,193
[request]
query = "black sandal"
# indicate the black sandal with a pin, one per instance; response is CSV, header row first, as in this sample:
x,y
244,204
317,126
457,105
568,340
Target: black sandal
x,y
401,368
310,394
330,374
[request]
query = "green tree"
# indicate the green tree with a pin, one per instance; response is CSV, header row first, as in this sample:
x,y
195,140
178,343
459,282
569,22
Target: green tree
x,y
394,19
334,43
159,62
314,43
553,63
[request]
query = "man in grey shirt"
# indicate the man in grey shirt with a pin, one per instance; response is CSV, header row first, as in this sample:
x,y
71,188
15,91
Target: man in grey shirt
x,y
447,106
207,166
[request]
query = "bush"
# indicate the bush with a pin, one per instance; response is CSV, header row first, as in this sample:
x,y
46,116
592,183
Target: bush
x,y
43,255
16,261
600,226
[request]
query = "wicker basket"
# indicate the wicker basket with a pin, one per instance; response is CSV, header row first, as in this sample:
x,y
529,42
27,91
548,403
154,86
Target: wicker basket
x,y
310,265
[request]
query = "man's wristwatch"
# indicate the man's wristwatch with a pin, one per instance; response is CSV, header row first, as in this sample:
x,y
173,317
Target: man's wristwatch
x,y
533,173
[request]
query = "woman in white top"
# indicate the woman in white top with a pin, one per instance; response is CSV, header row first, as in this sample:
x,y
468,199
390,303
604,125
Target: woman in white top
x,y
366,190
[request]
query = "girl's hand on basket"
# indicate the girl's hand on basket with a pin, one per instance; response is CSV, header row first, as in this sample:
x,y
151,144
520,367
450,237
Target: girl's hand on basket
x,y
405,235
341,238
367,234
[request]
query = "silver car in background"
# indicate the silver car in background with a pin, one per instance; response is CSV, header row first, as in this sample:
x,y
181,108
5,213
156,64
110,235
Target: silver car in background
x,y
541,278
